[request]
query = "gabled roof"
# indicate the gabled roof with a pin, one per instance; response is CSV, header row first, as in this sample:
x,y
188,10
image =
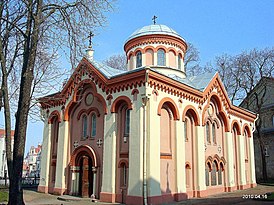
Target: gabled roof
x,y
197,89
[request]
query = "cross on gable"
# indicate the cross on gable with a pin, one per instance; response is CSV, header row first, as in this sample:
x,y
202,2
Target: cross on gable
x,y
90,37
154,19
76,144
219,149
99,142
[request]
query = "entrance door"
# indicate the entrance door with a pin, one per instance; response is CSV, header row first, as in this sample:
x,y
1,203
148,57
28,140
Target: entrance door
x,y
85,177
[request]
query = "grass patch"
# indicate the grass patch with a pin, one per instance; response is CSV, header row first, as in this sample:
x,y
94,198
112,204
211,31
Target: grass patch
x,y
270,197
4,196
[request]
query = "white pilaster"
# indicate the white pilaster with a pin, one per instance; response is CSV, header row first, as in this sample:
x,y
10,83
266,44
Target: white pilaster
x,y
180,157
167,59
135,182
230,159
62,156
241,152
109,161
153,149
45,155
251,160
143,59
155,58
200,163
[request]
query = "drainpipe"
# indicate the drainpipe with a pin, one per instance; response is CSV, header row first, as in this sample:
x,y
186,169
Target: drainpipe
x,y
254,128
145,99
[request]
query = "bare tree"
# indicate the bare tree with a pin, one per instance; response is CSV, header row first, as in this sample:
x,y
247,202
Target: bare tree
x,y
32,32
192,61
118,61
242,72
240,75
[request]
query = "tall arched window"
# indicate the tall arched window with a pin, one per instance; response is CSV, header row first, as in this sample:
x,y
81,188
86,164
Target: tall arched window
x,y
161,57
179,62
127,123
213,174
84,126
186,130
214,133
188,170
138,59
207,133
123,177
207,169
93,125
220,174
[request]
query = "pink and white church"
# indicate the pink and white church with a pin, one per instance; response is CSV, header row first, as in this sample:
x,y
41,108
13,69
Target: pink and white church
x,y
147,135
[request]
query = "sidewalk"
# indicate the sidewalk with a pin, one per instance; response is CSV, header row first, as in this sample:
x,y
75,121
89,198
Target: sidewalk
x,y
239,197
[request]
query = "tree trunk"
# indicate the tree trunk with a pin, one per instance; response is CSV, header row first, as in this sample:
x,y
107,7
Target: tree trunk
x,y
30,50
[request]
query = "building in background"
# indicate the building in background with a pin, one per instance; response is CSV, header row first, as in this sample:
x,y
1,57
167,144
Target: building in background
x,y
3,157
31,164
149,134
261,101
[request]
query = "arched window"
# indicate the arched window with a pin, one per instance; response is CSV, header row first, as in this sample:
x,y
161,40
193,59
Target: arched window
x,y
138,59
188,170
93,125
213,174
220,174
127,123
179,62
123,177
84,126
186,130
207,133
161,57
214,133
207,170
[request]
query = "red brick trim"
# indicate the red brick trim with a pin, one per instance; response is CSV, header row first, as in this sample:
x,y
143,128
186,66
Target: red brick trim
x,y
107,197
59,191
135,200
43,189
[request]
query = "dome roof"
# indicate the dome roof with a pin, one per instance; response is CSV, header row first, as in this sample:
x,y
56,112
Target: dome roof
x,y
154,29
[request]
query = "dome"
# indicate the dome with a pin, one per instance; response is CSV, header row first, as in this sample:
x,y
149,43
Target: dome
x,y
154,29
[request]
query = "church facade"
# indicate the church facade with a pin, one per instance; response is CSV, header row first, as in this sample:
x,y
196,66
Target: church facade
x,y
148,135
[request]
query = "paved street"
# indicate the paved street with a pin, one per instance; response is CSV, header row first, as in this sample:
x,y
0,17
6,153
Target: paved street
x,y
237,197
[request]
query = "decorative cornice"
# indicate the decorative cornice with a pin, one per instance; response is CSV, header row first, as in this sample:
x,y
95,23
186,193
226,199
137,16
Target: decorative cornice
x,y
156,38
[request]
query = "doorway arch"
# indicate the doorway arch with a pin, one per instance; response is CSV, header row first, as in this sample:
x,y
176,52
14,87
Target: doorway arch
x,y
83,167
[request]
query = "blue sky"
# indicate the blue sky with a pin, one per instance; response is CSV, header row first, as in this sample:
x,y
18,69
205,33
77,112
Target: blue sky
x,y
214,27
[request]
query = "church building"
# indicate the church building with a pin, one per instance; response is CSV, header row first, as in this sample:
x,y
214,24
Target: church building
x,y
147,135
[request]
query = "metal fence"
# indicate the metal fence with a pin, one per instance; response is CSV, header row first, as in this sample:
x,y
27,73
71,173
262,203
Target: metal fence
x,y
27,182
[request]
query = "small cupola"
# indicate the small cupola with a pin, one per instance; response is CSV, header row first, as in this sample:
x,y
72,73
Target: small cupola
x,y
158,47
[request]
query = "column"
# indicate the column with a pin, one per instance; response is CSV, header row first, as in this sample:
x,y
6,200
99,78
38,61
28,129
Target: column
x,y
62,158
94,172
230,161
241,158
180,162
45,158
74,180
135,170
109,161
200,161
252,161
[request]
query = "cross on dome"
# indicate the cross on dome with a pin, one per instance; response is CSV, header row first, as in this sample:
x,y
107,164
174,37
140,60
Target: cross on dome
x,y
154,19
